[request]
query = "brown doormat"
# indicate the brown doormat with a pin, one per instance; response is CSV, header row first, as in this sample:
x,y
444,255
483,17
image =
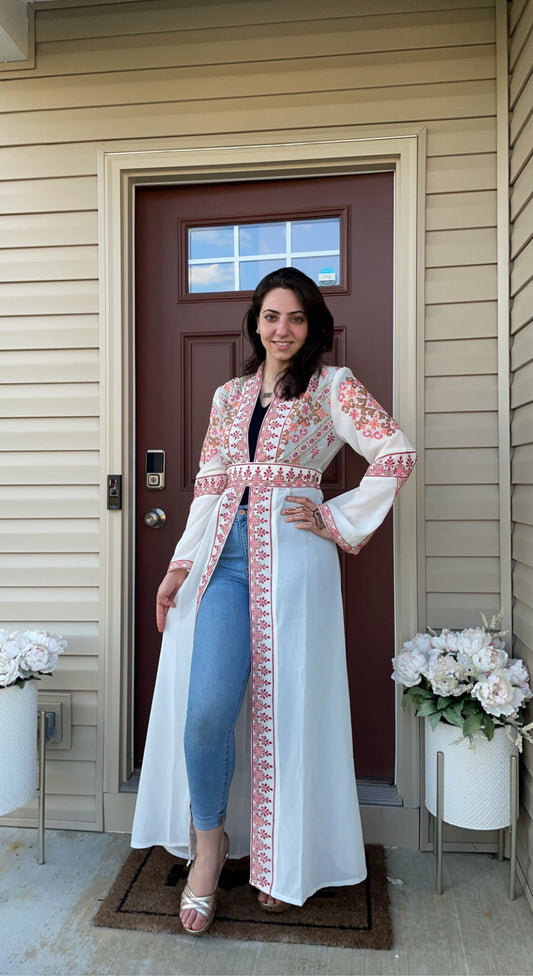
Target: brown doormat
x,y
147,892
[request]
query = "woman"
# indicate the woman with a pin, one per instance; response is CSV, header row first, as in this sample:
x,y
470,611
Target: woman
x,y
254,584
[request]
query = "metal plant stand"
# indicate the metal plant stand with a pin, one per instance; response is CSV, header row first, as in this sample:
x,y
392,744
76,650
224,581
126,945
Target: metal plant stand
x,y
501,838
45,732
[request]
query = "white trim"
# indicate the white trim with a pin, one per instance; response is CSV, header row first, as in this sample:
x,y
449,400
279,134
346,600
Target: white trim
x,y
27,57
504,356
410,511
397,148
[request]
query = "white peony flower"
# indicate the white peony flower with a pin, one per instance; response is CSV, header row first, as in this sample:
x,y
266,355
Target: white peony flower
x,y
464,670
40,654
27,653
16,645
472,640
498,696
488,659
9,670
442,672
420,643
518,675
408,667
446,641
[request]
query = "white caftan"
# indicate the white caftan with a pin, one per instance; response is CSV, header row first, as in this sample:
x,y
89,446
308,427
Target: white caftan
x,y
293,807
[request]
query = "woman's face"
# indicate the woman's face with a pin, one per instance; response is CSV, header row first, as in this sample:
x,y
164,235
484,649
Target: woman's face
x,y
282,326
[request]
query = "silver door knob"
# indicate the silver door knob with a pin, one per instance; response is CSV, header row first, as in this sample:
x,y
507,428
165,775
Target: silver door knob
x,y
155,518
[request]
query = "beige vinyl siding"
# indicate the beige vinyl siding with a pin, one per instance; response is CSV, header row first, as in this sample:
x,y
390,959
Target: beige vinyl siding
x,y
214,73
521,129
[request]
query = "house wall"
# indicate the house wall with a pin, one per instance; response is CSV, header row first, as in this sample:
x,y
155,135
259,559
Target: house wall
x,y
251,70
521,209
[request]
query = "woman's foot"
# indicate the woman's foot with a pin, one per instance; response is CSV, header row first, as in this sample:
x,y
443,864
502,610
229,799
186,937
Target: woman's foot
x,y
265,899
212,851
271,904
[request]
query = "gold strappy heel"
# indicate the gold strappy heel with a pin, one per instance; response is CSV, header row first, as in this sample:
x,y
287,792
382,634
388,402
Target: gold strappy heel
x,y
203,904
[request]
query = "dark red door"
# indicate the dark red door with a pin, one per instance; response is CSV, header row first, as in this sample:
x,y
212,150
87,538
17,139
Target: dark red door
x,y
188,343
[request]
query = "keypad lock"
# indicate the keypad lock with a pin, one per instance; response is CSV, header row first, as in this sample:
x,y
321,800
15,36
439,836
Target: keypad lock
x,y
155,470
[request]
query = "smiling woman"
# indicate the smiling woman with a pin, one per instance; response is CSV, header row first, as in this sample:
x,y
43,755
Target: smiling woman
x,y
290,327
261,540
282,327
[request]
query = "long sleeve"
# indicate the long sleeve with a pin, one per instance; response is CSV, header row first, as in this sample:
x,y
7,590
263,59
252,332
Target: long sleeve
x,y
209,484
351,518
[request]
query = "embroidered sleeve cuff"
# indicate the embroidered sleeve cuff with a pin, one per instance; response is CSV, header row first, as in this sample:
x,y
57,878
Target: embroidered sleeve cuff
x,y
331,526
397,466
179,564
212,484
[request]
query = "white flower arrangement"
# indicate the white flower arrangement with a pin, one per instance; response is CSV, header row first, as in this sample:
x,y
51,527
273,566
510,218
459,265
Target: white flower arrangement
x,y
25,655
465,678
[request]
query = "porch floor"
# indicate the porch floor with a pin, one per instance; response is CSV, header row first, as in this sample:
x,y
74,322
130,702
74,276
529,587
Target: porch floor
x,y
46,911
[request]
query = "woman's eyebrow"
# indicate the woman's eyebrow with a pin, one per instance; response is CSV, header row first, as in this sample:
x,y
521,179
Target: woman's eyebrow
x,y
298,311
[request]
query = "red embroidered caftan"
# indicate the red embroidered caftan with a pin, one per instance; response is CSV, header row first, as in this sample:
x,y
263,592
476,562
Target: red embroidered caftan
x,y
293,802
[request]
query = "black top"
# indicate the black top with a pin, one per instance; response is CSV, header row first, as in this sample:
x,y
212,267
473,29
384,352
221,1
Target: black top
x,y
253,435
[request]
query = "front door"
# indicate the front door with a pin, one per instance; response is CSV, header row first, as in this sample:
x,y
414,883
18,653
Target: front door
x,y
200,251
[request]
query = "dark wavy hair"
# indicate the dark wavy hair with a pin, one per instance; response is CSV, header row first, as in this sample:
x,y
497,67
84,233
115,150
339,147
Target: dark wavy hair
x,y
294,380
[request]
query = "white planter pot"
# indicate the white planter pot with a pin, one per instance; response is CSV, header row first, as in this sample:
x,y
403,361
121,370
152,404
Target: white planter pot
x,y
18,745
477,777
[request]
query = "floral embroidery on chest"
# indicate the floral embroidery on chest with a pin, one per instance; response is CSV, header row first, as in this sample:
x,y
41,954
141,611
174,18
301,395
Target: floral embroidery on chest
x,y
366,413
269,436
246,391
308,427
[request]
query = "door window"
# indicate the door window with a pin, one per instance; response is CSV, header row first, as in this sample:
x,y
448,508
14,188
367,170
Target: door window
x,y
234,257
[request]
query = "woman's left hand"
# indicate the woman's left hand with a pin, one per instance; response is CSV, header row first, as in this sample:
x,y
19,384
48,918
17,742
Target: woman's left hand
x,y
307,515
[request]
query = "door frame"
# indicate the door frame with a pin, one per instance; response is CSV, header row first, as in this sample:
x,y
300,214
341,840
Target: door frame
x,y
400,149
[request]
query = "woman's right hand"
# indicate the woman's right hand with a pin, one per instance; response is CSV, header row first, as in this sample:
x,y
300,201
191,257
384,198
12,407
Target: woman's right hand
x,y
166,593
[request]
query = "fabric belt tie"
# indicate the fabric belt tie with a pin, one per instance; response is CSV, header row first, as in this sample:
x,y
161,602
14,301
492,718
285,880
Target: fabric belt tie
x,y
258,474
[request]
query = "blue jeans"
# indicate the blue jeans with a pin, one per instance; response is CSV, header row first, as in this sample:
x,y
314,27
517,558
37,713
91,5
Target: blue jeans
x,y
220,669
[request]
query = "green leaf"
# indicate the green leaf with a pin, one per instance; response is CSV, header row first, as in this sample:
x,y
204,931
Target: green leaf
x,y
417,691
453,717
434,719
415,695
427,708
489,727
22,681
472,724
444,702
456,709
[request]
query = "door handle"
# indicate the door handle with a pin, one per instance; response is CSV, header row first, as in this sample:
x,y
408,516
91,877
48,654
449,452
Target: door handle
x,y
155,518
